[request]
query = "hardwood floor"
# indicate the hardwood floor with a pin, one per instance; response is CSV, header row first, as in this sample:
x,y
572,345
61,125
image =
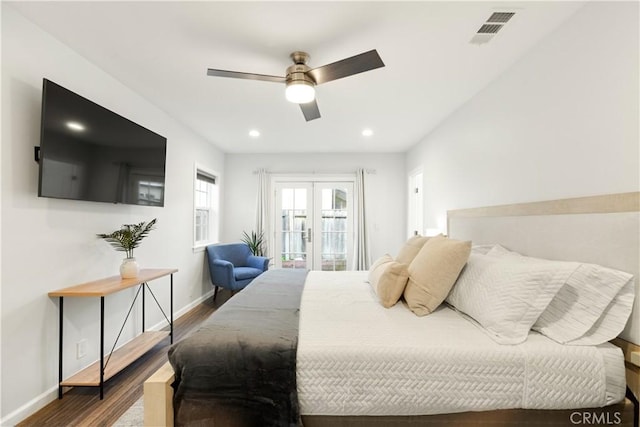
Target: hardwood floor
x,y
81,406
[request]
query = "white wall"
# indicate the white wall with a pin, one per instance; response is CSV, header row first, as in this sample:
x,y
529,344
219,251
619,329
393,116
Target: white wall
x,y
385,190
562,122
49,244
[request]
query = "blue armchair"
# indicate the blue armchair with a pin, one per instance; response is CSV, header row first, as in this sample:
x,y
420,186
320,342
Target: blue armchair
x,y
232,266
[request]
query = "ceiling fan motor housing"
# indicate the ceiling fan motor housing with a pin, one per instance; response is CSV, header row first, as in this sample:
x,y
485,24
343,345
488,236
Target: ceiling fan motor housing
x,y
298,71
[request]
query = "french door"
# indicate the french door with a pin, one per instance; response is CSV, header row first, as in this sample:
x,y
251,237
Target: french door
x,y
314,225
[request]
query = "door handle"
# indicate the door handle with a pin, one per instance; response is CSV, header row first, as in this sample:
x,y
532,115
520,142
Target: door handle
x,y
309,235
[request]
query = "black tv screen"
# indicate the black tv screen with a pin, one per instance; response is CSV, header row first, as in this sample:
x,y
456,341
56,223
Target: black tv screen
x,y
88,152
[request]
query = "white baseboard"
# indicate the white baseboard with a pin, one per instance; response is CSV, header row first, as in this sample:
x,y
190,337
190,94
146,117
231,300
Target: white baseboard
x,y
30,408
39,402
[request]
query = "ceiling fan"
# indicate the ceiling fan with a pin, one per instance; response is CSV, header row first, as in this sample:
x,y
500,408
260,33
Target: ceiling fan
x,y
301,79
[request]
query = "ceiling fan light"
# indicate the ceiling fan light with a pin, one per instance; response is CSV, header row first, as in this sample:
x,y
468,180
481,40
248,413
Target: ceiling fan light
x,y
300,92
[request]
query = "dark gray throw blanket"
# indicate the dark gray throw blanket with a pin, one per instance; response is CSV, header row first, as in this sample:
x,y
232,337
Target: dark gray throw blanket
x,y
239,368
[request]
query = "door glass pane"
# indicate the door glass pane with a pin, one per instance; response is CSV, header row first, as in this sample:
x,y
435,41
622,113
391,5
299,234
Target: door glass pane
x,y
294,228
334,229
287,198
300,198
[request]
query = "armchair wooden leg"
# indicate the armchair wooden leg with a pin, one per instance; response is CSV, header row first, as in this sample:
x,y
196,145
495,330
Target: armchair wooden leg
x,y
215,292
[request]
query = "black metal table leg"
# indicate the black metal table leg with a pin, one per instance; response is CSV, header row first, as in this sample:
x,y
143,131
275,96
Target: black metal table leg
x,y
171,308
143,285
101,347
61,299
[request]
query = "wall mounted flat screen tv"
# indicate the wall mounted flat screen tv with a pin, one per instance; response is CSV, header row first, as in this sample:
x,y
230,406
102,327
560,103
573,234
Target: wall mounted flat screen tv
x,y
88,152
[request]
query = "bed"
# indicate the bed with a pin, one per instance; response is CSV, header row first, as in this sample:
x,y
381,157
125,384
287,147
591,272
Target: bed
x,y
391,367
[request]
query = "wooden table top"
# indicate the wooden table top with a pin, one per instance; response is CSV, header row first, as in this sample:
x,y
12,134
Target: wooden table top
x,y
110,285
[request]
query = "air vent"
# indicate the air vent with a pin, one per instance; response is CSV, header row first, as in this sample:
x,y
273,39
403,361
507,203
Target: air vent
x,y
489,29
492,25
501,17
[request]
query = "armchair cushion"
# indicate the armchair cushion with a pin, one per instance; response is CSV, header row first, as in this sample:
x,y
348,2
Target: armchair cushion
x,y
243,273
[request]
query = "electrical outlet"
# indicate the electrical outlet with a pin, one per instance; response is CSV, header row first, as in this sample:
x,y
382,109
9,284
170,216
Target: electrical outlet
x,y
81,349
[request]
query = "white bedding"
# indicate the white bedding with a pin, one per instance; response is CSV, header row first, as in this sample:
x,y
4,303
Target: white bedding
x,y
356,357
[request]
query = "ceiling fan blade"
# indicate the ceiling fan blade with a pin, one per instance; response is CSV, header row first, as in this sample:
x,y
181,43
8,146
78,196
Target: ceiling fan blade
x,y
347,67
310,110
247,76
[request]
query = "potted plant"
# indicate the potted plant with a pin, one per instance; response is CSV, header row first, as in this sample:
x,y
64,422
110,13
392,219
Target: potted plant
x,y
254,241
126,239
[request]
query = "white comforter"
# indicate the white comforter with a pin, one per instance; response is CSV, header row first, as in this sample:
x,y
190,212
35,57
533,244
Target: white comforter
x,y
357,358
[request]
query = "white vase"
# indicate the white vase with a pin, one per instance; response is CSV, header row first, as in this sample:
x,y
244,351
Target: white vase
x,y
129,268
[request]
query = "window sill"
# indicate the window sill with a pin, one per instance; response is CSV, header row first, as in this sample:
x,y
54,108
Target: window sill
x,y
200,247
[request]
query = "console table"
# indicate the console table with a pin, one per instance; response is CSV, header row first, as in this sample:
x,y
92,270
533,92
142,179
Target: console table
x,y
96,374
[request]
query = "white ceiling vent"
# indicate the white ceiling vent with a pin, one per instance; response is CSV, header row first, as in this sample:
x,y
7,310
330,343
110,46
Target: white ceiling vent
x,y
490,28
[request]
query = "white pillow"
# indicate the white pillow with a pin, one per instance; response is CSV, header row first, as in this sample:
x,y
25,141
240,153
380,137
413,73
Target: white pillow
x,y
612,321
506,295
580,303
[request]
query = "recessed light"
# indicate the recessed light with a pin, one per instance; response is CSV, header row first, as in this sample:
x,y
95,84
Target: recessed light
x,y
254,133
367,132
78,127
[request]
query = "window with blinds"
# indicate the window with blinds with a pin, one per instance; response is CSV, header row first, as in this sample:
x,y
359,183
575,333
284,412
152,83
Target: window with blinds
x,y
206,208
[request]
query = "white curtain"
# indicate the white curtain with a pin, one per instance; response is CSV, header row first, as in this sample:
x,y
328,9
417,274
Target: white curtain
x,y
361,253
263,213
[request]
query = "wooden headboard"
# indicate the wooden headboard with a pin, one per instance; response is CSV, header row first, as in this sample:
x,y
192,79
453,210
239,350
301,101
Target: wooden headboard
x,y
603,230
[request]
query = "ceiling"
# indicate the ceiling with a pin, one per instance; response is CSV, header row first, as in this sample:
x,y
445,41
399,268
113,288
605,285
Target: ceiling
x,y
162,50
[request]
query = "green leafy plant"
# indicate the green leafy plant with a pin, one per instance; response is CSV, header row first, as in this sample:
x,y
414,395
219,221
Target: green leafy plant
x,y
127,238
255,242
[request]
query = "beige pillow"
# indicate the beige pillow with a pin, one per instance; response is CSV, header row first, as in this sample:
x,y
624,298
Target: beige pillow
x,y
433,272
377,263
411,249
388,279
